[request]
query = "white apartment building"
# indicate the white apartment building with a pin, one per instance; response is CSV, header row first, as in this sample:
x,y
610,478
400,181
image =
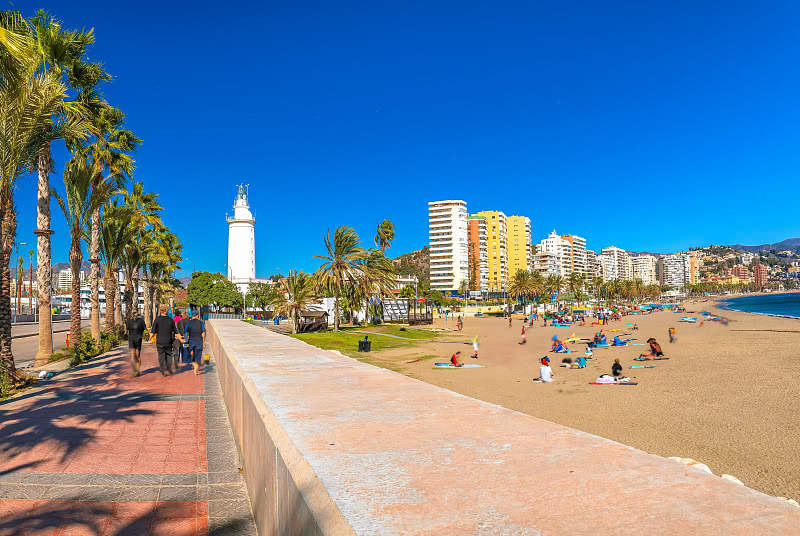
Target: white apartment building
x,y
577,254
64,279
672,271
547,263
561,251
593,268
447,232
616,264
644,269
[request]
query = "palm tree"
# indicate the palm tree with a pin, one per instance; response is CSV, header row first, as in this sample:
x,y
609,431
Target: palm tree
x,y
108,151
341,264
82,197
520,286
377,277
30,99
384,235
575,283
144,209
298,293
163,258
554,284
61,52
115,234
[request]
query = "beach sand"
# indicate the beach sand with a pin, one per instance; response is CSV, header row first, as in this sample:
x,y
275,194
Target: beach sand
x,y
727,397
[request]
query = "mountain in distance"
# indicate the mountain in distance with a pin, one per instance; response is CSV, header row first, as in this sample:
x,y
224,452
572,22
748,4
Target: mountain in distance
x,y
790,244
416,263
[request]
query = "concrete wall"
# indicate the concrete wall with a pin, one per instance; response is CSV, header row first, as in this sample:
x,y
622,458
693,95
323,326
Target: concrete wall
x,y
331,445
285,496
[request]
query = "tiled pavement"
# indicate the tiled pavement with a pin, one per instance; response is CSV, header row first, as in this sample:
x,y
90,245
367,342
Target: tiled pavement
x,y
97,452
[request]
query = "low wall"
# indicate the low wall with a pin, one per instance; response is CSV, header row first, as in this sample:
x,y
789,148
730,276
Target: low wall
x,y
331,445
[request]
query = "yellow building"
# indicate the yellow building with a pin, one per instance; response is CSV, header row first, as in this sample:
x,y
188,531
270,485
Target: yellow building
x,y
518,244
496,235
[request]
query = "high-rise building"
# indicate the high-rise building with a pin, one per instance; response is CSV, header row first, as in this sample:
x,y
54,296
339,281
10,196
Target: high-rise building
x,y
576,260
672,271
741,271
616,264
64,279
449,252
560,260
644,269
478,253
593,268
518,244
496,242
691,269
761,275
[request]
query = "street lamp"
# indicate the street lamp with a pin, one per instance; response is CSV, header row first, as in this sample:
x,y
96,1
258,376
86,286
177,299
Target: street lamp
x,y
19,285
193,270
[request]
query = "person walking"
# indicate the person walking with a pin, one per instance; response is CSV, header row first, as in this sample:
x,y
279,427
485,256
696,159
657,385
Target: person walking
x,y
179,349
164,332
195,333
135,327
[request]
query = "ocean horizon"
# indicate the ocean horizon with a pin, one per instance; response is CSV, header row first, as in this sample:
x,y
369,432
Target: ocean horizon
x,y
785,305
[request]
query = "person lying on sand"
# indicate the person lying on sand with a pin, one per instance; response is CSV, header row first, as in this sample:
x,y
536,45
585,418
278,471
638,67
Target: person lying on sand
x,y
635,326
618,342
454,359
581,362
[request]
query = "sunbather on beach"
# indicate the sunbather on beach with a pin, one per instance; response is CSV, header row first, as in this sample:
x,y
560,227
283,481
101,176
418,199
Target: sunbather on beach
x,y
618,342
454,359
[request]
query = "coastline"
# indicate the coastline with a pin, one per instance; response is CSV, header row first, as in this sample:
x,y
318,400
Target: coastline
x,y
723,304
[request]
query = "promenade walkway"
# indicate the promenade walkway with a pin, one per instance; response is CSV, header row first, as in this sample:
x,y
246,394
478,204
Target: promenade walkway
x,y
96,452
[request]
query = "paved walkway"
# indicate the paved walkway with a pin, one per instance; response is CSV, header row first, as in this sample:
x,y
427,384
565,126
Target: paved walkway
x,y
96,452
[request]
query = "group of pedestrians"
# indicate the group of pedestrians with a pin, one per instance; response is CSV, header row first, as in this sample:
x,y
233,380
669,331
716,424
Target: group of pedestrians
x,y
176,338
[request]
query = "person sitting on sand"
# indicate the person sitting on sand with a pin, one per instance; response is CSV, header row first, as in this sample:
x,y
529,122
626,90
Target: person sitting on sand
x,y
618,342
545,372
655,348
454,359
616,370
559,347
588,353
635,327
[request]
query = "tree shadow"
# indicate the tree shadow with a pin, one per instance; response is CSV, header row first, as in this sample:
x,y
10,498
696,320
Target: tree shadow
x,y
85,403
114,519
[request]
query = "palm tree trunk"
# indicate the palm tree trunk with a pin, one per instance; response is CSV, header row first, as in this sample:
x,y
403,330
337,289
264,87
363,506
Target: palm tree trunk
x,y
8,231
118,304
75,258
135,291
111,293
129,292
336,310
94,276
148,319
44,275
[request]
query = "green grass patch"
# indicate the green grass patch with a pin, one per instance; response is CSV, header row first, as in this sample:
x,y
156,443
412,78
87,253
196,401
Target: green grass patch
x,y
347,342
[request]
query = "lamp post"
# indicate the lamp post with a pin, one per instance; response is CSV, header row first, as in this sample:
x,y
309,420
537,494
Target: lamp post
x,y
19,286
193,270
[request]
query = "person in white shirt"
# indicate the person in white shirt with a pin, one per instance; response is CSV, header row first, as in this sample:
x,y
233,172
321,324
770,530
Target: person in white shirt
x,y
545,372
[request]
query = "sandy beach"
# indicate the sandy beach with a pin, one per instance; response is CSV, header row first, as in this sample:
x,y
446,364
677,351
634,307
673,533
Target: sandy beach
x,y
727,396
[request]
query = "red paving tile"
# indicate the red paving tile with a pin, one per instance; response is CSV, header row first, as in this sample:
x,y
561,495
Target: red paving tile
x,y
73,435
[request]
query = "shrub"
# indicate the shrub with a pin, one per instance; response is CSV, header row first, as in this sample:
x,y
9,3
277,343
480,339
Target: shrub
x,y
108,341
84,350
58,356
6,381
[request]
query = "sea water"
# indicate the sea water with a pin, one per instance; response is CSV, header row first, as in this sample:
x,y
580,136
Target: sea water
x,y
787,305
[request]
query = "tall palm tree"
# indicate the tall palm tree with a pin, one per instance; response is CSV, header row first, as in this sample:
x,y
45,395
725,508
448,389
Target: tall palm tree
x,y
144,210
162,259
81,199
377,277
30,277
30,99
115,233
298,293
61,52
109,150
384,235
341,266
520,286
554,285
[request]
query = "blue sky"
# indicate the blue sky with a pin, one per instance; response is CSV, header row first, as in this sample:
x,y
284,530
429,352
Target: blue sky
x,y
646,127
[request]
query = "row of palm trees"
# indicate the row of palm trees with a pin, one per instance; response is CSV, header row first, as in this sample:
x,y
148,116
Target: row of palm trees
x,y
356,277
41,65
532,285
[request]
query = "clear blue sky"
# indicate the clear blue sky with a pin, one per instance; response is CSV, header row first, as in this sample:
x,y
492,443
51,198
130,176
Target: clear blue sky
x,y
646,127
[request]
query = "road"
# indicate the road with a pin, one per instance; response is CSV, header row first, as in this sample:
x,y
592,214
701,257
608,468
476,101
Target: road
x,y
25,348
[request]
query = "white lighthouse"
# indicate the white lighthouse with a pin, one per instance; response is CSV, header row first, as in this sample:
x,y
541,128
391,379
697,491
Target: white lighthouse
x,y
241,241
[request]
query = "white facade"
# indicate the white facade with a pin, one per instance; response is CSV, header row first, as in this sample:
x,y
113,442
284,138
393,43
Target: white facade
x,y
241,240
672,270
577,254
447,231
559,261
64,279
616,264
644,269
593,268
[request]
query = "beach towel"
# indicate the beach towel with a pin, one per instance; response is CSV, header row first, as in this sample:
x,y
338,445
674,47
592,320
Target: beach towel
x,y
650,358
613,383
642,366
450,365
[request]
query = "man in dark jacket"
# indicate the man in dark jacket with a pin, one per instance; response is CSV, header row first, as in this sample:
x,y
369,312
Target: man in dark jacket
x,y
179,349
136,329
164,330
195,333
